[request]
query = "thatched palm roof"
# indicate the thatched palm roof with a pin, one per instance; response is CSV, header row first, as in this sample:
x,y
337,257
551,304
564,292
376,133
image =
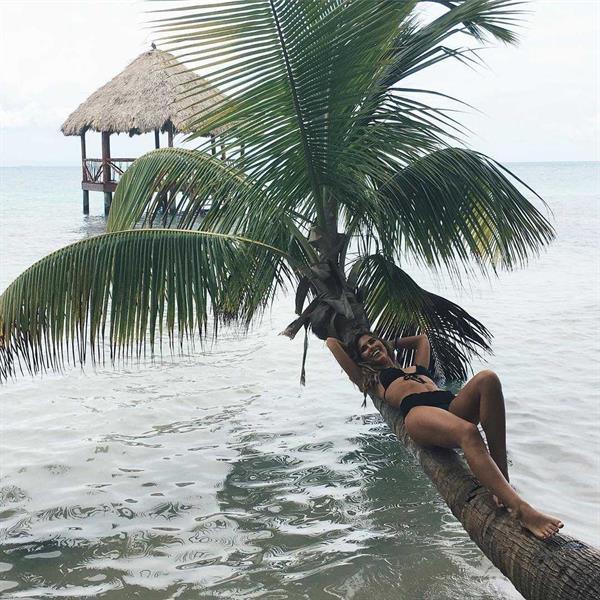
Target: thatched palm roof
x,y
153,92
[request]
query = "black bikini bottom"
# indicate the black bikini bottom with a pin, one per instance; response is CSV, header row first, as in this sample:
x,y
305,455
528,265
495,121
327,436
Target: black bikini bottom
x,y
439,399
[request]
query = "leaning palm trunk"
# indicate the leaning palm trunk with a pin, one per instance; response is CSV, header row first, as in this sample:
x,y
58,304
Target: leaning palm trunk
x,y
335,309
561,568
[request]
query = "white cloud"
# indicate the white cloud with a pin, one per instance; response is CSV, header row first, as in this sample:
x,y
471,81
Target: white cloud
x,y
16,117
33,113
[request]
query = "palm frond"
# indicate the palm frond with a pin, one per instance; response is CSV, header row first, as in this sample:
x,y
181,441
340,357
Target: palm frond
x,y
455,206
174,185
397,306
419,47
295,75
129,287
188,189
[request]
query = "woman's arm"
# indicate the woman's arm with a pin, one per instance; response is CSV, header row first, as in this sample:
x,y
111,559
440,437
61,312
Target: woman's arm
x,y
351,368
418,343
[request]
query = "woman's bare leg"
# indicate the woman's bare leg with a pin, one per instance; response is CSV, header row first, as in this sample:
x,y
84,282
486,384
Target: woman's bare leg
x,y
429,426
481,401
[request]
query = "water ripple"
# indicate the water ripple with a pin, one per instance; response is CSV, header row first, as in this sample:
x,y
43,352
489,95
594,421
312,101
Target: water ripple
x,y
213,474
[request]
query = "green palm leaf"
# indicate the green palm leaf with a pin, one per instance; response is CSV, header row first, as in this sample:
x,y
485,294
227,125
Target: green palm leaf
x,y
457,205
175,185
397,306
418,47
296,74
129,287
188,189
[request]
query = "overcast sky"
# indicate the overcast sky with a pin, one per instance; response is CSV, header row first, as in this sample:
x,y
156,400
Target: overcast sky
x,y
539,101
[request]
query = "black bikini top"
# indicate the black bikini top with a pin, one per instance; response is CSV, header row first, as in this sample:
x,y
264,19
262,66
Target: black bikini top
x,y
386,376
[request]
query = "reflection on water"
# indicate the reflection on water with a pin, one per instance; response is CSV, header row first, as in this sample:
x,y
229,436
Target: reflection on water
x,y
216,476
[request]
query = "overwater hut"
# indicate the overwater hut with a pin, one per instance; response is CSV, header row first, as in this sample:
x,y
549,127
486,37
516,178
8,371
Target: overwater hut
x,y
154,93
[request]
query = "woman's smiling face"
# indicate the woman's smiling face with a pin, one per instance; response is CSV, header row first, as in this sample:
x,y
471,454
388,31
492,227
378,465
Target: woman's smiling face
x,y
372,350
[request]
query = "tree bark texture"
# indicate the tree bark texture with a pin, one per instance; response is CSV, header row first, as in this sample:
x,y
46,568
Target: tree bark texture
x,y
561,568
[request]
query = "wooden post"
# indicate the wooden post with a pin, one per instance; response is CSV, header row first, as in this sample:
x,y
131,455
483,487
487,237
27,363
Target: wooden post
x,y
156,139
223,156
106,170
213,145
171,196
86,193
560,568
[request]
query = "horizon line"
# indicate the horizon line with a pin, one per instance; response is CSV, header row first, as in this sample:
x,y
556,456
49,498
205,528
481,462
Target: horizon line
x,y
508,162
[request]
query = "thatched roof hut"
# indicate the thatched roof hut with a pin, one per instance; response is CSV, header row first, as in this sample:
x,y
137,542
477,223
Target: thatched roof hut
x,y
155,92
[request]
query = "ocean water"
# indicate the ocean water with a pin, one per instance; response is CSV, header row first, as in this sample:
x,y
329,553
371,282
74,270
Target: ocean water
x,y
215,475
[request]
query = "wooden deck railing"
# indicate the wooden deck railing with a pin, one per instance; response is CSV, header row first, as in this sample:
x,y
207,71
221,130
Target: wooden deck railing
x,y
93,169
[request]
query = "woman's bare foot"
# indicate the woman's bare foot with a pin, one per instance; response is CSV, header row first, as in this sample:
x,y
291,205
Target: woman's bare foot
x,y
541,525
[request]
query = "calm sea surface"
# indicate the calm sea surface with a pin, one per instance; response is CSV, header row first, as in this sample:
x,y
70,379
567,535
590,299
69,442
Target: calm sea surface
x,y
215,475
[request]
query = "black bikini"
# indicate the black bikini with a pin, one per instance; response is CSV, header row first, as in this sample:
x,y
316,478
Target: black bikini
x,y
392,373
438,399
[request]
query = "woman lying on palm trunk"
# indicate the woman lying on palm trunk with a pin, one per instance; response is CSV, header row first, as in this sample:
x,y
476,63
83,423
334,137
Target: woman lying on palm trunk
x,y
435,417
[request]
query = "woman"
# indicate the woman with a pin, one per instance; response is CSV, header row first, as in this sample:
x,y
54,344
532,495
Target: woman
x,y
435,417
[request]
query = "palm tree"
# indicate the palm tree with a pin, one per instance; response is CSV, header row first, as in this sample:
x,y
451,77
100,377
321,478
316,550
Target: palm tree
x,y
337,174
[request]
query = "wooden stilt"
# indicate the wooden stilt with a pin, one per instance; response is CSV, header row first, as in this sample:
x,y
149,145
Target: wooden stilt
x,y
106,170
171,196
86,194
213,145
156,138
107,202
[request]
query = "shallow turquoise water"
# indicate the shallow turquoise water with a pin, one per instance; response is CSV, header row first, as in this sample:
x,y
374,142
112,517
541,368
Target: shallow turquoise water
x,y
215,475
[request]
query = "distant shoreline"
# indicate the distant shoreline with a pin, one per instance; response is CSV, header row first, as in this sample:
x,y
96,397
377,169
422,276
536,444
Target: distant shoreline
x,y
528,162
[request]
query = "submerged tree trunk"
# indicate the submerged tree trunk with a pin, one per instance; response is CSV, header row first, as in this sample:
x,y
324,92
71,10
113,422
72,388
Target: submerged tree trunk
x,y
561,568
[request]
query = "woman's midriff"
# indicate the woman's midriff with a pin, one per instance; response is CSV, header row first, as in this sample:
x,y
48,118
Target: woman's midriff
x,y
401,388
